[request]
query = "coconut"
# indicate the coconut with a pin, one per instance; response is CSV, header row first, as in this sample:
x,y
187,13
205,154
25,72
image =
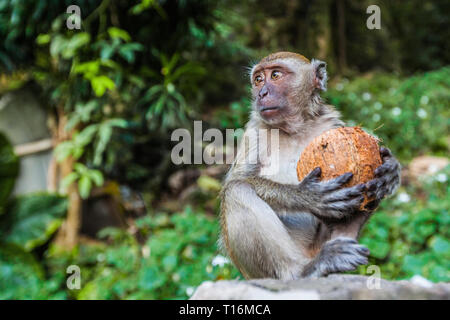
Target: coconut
x,y
341,150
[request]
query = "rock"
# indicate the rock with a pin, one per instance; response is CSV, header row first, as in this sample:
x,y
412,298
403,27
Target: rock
x,y
424,166
335,287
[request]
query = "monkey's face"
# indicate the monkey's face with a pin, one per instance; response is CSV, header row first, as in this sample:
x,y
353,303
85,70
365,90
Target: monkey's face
x,y
270,86
282,86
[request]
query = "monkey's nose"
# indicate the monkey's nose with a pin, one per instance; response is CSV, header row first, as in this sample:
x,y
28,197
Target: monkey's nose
x,y
264,92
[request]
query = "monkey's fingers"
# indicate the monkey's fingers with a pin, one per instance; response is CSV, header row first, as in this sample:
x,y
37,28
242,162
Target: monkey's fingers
x,y
380,187
336,183
338,255
341,209
332,212
345,194
385,152
313,176
390,166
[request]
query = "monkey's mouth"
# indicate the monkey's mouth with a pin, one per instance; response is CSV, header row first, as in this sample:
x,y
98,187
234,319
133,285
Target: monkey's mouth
x,y
267,111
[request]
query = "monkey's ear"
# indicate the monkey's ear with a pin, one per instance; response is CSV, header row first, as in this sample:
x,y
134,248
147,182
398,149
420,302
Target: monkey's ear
x,y
320,74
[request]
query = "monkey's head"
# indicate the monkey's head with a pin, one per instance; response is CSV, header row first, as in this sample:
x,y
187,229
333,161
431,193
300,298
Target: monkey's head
x,y
284,84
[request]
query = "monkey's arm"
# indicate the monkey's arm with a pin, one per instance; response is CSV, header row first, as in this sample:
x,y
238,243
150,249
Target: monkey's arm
x,y
326,200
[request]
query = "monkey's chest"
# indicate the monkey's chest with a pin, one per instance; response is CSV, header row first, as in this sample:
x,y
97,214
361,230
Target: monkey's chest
x,y
281,166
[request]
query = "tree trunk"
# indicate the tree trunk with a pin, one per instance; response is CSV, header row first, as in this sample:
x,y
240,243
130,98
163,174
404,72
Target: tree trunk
x,y
68,234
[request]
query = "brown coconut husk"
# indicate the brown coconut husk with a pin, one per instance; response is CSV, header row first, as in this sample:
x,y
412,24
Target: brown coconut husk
x,y
341,150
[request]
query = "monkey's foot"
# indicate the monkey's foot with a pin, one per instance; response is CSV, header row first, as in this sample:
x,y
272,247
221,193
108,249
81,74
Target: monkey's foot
x,y
337,255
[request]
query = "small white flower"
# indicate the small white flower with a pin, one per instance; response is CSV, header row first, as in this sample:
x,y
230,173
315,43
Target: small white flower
x,y
366,96
424,100
101,257
220,260
396,111
376,117
403,197
378,105
146,251
189,291
176,277
441,177
432,168
340,86
422,113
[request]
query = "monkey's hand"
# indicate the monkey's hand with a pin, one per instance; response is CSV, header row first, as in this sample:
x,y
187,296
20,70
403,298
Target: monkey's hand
x,y
337,255
387,178
327,200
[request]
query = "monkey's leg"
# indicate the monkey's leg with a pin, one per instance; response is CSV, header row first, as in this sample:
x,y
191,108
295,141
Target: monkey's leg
x,y
307,231
352,227
255,238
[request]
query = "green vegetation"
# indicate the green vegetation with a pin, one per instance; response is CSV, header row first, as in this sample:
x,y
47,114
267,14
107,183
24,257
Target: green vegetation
x,y
9,168
411,115
410,233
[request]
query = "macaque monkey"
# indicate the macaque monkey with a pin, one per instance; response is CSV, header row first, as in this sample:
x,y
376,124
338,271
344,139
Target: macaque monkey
x,y
274,226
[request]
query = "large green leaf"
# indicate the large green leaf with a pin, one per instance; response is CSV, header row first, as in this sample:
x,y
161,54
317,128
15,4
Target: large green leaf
x,y
31,220
21,275
9,168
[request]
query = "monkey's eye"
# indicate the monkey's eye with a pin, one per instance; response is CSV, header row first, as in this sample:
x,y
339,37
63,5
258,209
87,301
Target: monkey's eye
x,y
275,75
258,79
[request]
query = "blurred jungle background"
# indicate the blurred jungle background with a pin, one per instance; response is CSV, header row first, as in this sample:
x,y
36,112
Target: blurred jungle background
x,y
86,118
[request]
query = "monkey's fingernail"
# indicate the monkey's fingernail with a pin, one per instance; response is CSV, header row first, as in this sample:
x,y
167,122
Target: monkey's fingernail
x,y
379,171
348,176
371,185
385,152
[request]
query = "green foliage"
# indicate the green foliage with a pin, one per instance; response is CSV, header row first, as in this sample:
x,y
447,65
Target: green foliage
x,y
86,179
410,235
411,115
28,223
167,105
176,254
176,257
235,116
31,220
21,276
9,168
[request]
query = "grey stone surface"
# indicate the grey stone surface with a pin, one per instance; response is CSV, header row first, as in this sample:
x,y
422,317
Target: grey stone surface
x,y
23,120
340,287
